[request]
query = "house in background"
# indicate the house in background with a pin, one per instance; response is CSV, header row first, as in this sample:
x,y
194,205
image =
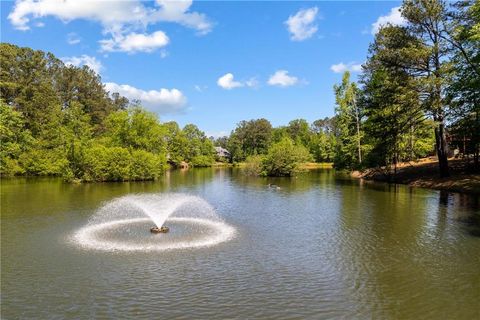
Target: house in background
x,y
222,154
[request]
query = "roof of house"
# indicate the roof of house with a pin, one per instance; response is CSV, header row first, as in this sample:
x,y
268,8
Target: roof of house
x,y
221,150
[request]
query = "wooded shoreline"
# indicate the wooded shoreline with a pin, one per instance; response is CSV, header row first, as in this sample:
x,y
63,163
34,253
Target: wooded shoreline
x,y
424,174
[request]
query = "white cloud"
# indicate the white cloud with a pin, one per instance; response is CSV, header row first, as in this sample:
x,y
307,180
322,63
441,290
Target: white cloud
x,y
161,101
227,82
73,38
177,11
342,67
394,18
135,42
84,60
111,13
119,18
301,25
281,79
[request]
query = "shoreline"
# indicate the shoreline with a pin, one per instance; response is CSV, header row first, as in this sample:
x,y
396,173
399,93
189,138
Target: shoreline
x,y
424,174
217,165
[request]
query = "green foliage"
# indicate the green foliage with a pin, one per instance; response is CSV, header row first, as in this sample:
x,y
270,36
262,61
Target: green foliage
x,y
395,118
255,137
283,158
40,86
299,131
103,163
77,135
279,133
201,161
250,138
44,162
428,62
322,147
135,128
177,143
220,141
348,120
59,120
106,164
189,145
146,166
464,92
419,78
14,139
199,151
253,165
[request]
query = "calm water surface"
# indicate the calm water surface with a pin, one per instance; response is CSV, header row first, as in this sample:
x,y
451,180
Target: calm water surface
x,y
321,247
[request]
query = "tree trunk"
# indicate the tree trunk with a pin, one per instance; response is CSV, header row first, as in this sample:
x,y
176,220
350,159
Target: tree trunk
x,y
442,149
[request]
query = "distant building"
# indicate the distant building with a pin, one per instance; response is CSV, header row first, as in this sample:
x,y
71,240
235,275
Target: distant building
x,y
222,153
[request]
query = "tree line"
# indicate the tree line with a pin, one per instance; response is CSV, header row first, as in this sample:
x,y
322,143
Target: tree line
x,y
59,120
278,151
421,82
418,95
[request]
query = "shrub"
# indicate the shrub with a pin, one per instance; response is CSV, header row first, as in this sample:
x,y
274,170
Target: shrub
x,y
202,161
283,158
106,164
44,162
253,166
102,163
10,167
146,165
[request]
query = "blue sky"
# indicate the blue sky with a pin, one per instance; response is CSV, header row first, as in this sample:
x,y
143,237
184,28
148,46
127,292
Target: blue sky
x,y
209,63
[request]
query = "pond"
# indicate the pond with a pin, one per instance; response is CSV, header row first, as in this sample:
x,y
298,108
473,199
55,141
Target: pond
x,y
319,246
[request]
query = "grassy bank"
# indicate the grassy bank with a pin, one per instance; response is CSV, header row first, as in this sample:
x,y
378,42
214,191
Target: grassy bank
x,y
304,166
316,165
424,173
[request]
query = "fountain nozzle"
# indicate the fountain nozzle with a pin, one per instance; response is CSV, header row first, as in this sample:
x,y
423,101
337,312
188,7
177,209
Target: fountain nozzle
x,y
161,229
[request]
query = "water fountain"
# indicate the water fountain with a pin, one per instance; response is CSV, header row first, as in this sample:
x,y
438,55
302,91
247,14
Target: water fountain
x,y
122,224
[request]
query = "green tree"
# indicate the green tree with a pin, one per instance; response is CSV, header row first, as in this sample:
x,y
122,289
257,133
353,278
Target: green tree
x,y
323,141
200,151
33,81
250,138
426,21
348,118
14,140
279,133
283,158
390,100
177,143
136,128
325,125
299,131
464,91
145,165
322,147
77,134
106,164
84,86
